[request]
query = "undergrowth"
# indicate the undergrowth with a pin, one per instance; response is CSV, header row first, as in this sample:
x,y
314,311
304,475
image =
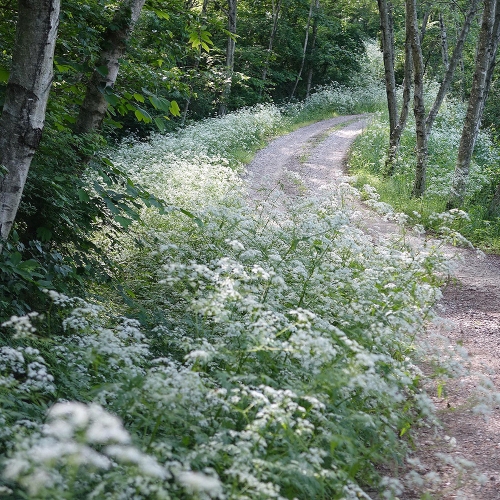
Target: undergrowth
x,y
367,164
253,353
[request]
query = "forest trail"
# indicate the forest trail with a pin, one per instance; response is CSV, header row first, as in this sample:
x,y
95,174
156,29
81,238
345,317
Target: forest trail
x,y
460,460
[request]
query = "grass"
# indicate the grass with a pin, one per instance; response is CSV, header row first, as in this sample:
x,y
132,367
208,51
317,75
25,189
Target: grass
x,y
367,165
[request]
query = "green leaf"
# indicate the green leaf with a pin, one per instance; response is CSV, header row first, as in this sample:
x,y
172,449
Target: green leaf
x,y
82,195
28,265
44,233
138,97
123,221
112,99
143,115
4,75
102,70
174,109
197,220
161,14
160,124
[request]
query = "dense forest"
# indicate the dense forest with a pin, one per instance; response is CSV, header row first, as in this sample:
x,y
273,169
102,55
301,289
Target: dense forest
x,y
162,337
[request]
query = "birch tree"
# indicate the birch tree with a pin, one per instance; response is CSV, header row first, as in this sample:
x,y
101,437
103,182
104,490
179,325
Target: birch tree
x,y
396,123
27,92
485,60
113,47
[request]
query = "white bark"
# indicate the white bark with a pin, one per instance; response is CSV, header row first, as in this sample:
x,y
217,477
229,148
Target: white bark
x,y
485,57
23,115
418,98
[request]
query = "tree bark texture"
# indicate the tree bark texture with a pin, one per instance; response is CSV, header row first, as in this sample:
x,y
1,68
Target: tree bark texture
x,y
395,136
494,208
113,48
230,49
418,98
486,52
444,42
27,92
385,12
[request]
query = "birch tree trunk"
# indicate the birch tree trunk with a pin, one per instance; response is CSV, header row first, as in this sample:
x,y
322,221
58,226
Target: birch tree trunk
x,y
276,6
395,136
396,123
114,45
485,57
304,50
453,63
418,98
27,92
444,42
231,46
386,28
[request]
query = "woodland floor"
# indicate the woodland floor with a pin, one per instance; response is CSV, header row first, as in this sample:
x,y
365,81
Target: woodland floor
x,y
460,459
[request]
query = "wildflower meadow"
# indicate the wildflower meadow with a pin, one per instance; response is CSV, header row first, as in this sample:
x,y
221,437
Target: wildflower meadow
x,y
243,352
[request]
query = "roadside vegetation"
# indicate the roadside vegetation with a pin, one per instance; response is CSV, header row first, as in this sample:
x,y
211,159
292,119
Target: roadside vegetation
x,y
242,355
476,223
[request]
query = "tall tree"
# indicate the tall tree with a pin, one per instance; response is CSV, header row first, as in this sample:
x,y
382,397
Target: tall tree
x,y
113,47
28,87
276,8
304,48
418,97
485,61
451,65
313,47
230,50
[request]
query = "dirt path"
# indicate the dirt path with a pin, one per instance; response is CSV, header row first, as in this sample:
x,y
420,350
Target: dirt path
x,y
460,460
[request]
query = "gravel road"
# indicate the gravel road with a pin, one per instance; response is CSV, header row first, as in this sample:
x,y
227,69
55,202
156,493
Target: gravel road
x,y
471,300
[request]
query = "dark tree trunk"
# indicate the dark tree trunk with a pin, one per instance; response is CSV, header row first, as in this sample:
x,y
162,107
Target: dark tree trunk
x,y
304,50
386,28
276,6
313,46
395,136
113,48
231,46
27,92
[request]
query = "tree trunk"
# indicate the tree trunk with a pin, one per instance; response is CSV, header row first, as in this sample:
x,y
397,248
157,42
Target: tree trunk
x,y
231,46
453,63
304,50
444,42
113,48
313,45
395,136
486,52
494,208
386,28
418,98
26,98
276,6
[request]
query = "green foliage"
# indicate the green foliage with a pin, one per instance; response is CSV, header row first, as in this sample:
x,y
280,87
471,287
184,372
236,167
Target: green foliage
x,y
273,358
368,163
